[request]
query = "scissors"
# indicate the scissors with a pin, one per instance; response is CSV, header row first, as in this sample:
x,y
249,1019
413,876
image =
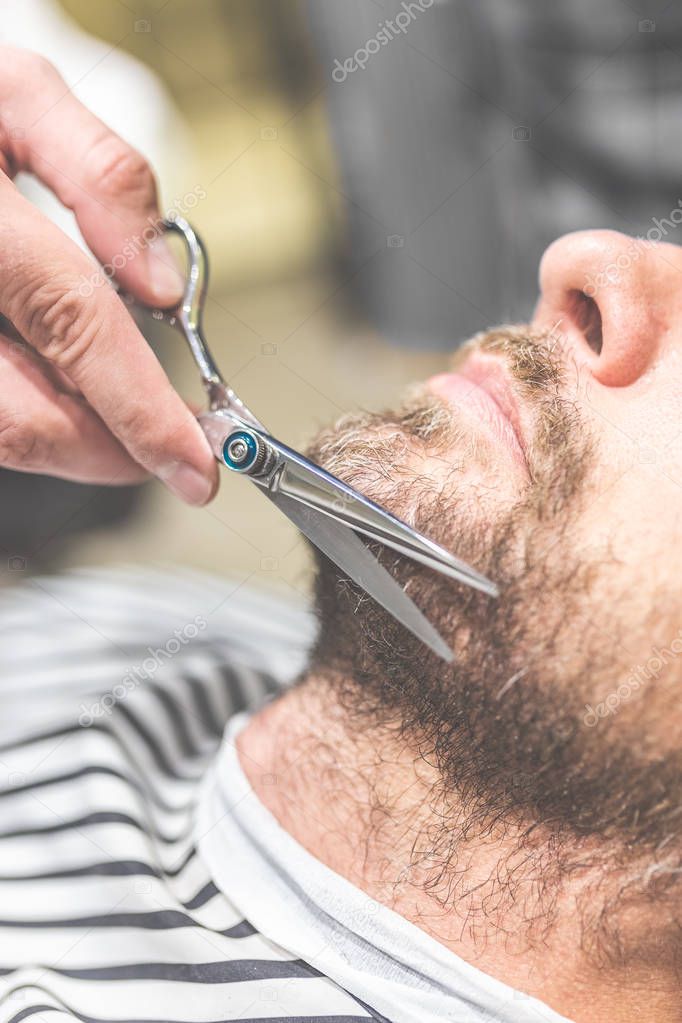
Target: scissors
x,y
330,513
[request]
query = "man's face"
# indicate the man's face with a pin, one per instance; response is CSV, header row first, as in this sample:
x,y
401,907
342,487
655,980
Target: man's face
x,y
551,461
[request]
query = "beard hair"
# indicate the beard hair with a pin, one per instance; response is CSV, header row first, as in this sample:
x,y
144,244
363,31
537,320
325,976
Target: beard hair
x,y
504,725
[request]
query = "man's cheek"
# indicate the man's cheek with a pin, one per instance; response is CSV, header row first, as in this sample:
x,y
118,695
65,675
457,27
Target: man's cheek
x,y
627,523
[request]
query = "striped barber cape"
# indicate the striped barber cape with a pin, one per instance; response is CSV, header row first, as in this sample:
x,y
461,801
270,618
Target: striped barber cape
x,y
115,689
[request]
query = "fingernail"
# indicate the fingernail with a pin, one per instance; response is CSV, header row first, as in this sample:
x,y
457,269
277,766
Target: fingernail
x,y
187,483
167,279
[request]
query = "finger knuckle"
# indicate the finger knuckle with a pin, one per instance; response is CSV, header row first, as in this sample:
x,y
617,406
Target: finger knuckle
x,y
115,168
19,442
60,324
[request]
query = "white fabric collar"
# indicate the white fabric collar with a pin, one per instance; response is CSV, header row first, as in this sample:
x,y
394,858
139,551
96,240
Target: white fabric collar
x,y
300,904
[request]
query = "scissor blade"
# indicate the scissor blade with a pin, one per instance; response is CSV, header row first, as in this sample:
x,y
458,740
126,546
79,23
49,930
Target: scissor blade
x,y
348,551
304,481
312,485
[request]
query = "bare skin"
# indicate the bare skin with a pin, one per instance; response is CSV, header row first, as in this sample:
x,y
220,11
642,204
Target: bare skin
x,y
361,818
360,793
77,375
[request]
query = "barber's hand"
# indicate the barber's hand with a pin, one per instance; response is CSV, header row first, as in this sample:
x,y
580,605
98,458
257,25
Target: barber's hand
x,y
82,395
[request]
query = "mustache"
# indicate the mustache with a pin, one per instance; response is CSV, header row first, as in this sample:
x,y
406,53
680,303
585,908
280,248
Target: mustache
x,y
534,359
375,451
537,365
382,452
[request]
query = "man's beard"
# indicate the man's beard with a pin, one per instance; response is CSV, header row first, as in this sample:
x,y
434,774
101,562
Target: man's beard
x,y
505,725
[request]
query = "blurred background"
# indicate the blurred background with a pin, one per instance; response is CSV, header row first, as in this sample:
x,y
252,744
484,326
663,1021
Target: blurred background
x,y
369,195
237,117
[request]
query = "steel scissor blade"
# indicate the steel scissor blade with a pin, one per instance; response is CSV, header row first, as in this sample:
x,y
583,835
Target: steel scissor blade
x,y
330,513
309,483
297,477
347,550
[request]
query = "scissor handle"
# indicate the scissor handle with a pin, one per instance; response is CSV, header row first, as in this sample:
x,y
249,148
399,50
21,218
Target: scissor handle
x,y
188,316
190,309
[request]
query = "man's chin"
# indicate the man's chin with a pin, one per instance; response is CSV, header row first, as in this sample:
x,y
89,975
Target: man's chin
x,y
526,664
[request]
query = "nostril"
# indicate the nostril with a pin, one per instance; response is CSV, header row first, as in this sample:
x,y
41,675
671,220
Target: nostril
x,y
584,312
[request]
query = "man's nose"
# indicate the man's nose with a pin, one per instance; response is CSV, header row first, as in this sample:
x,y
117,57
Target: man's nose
x,y
610,296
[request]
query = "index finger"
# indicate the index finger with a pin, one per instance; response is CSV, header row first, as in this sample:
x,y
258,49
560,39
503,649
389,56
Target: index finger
x,y
107,183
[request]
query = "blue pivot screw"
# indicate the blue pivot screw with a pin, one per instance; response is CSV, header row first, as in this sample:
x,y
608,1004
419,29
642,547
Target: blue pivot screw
x,y
242,451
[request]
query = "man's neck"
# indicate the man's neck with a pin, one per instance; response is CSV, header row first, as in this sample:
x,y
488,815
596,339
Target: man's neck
x,y
367,805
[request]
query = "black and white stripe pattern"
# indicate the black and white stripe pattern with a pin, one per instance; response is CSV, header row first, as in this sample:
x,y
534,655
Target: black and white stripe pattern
x,y
108,913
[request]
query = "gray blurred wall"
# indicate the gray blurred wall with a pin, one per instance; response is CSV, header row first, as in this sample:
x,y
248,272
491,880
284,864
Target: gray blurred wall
x,y
484,130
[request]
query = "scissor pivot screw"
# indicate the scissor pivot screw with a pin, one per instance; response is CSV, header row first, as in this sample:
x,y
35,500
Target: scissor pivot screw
x,y
243,451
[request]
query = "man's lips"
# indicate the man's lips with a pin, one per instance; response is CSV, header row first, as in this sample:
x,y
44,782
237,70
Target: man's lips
x,y
481,385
